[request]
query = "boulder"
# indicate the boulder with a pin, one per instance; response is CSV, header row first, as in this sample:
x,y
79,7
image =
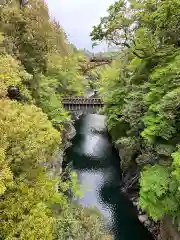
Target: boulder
x,y
69,130
143,218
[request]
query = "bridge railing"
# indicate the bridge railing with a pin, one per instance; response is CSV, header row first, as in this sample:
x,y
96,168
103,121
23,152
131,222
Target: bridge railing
x,y
82,101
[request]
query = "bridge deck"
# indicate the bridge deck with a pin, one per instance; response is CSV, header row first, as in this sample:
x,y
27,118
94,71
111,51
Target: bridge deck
x,y
82,104
82,101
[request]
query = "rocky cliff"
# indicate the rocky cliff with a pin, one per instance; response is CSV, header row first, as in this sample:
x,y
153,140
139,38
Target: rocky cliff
x,y
54,166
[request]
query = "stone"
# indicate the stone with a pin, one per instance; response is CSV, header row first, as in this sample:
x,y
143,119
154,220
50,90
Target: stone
x,y
159,237
135,204
147,223
68,134
143,218
70,130
133,199
54,166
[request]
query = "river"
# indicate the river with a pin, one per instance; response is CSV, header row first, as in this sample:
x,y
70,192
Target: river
x,y
97,164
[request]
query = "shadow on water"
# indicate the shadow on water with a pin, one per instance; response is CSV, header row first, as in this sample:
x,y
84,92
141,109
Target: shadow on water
x,y
97,164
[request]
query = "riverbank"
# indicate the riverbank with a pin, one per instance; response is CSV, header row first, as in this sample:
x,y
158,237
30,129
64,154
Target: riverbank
x,y
130,186
152,226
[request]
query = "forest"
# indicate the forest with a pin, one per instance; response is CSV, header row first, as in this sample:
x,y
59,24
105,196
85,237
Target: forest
x,y
143,83
38,66
141,93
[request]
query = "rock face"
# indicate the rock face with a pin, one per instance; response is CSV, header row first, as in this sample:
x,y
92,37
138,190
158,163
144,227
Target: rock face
x,y
129,184
143,218
129,168
68,134
125,155
152,226
76,114
168,230
54,166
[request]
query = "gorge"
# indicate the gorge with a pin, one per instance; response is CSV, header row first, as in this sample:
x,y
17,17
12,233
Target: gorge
x,y
97,165
127,163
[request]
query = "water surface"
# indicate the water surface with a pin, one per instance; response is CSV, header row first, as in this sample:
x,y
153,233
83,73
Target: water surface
x,y
97,164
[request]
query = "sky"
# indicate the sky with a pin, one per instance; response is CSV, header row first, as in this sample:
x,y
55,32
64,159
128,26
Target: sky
x,y
77,17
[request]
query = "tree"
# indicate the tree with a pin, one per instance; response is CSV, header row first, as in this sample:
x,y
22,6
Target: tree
x,y
143,85
37,68
12,74
69,225
142,27
26,186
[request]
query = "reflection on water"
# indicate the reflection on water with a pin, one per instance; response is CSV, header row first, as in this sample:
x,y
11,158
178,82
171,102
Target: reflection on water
x,y
97,164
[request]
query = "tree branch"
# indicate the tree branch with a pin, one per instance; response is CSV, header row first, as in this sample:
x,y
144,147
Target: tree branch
x,y
135,53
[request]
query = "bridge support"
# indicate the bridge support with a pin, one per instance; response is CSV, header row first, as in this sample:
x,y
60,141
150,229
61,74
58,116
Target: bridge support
x,y
76,114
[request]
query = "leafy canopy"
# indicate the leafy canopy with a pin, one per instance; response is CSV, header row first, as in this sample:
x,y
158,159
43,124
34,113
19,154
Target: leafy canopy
x,y
143,85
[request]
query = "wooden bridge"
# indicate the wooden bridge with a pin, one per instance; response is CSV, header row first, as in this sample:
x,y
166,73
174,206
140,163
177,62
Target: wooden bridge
x,y
81,103
94,63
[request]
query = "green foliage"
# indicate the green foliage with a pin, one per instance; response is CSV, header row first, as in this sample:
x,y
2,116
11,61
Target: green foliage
x,y
27,141
50,102
35,56
69,225
30,34
26,127
158,193
143,85
12,73
6,177
66,73
176,162
31,205
20,212
62,78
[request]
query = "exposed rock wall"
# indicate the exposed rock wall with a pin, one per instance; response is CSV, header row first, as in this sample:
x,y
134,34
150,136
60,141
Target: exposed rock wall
x,y
68,134
54,166
129,184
